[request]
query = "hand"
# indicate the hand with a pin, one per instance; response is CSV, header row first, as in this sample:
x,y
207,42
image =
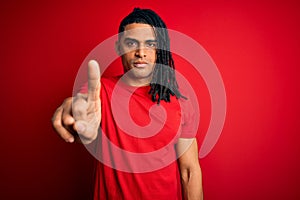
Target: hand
x,y
81,114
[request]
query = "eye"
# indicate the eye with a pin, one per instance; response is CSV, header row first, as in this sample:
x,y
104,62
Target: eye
x,y
151,45
131,44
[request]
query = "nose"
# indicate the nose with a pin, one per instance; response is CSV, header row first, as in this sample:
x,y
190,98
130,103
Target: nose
x,y
140,52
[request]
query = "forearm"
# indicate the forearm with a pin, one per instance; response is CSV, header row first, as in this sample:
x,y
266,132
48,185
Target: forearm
x,y
192,184
191,176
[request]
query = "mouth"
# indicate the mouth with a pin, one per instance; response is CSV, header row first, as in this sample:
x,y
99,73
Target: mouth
x,y
140,64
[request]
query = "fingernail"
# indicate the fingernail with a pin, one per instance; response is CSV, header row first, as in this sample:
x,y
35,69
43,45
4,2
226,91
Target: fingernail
x,y
80,128
71,140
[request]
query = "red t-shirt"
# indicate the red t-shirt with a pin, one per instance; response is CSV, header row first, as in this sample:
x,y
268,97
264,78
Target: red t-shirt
x,y
135,148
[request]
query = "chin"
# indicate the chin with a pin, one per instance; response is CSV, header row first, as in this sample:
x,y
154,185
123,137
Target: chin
x,y
139,73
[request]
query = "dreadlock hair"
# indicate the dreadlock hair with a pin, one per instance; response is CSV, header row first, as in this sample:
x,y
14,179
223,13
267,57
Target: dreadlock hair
x,y
163,83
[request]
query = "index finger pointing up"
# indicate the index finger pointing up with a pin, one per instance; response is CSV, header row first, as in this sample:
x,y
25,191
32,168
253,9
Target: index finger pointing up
x,y
93,81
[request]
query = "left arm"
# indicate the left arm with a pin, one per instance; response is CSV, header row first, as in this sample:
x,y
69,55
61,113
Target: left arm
x,y
191,176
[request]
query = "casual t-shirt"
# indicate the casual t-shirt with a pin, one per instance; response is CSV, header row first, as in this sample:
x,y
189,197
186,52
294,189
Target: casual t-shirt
x,y
136,144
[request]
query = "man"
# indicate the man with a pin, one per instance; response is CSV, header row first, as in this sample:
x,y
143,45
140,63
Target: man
x,y
157,136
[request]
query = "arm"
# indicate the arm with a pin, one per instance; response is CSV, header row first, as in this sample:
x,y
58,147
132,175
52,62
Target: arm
x,y
191,177
81,114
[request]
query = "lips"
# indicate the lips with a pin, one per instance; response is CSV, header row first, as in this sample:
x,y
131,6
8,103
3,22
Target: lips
x,y
140,64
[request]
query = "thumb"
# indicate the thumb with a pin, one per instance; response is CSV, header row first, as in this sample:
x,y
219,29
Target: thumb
x,y
80,127
85,131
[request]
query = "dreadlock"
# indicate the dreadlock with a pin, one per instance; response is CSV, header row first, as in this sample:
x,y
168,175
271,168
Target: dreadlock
x,y
163,83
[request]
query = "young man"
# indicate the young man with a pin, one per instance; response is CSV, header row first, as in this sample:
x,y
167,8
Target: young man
x,y
157,137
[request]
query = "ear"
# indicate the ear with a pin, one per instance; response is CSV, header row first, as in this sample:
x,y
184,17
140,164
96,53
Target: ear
x,y
118,48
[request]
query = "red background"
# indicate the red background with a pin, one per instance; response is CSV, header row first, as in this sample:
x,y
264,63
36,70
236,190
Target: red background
x,y
255,46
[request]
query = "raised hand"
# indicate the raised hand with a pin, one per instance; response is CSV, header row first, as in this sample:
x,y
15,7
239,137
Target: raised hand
x,y
82,113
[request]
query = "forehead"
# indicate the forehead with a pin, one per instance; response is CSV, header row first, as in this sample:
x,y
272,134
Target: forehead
x,y
139,32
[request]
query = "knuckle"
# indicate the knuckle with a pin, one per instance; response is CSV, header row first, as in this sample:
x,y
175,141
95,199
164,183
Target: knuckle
x,y
77,111
79,102
56,123
67,100
64,118
79,108
81,96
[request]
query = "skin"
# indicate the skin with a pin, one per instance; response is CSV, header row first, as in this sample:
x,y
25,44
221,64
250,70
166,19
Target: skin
x,y
82,113
138,48
190,171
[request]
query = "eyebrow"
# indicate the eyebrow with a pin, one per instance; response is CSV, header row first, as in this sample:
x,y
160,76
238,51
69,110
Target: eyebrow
x,y
132,39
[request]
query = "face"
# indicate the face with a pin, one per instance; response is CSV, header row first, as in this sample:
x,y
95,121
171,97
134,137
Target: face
x,y
137,47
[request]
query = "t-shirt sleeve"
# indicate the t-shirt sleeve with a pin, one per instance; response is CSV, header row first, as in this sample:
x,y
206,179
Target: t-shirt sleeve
x,y
190,120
